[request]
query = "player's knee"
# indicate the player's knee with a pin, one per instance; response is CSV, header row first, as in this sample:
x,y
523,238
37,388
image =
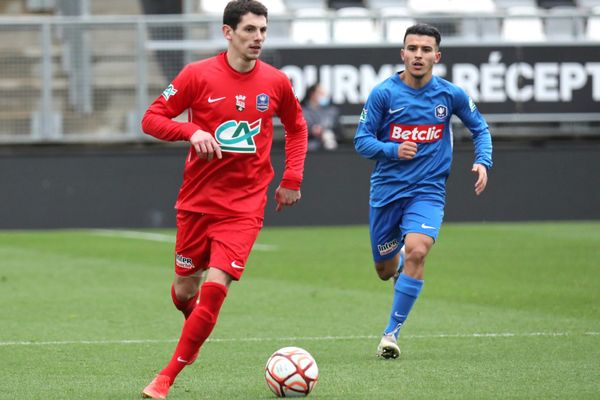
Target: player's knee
x,y
384,271
416,255
184,293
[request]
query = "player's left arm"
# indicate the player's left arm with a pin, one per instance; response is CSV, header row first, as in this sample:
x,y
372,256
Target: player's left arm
x,y
482,178
296,144
467,111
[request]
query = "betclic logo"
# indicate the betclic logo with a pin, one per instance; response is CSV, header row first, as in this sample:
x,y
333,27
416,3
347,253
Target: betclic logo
x,y
416,133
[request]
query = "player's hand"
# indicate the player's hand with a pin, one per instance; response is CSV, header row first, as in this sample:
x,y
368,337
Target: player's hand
x,y
206,146
481,183
407,150
286,197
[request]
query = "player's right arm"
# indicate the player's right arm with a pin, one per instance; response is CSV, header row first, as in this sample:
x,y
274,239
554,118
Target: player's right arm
x,y
176,98
366,141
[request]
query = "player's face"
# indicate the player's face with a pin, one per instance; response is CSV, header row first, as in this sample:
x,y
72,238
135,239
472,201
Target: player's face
x,y
419,54
247,39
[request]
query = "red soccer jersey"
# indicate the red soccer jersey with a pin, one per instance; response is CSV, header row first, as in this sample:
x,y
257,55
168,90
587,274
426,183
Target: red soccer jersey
x,y
237,109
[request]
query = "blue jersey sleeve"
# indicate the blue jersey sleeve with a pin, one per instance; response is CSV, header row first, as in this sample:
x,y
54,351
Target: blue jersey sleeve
x,y
470,116
368,140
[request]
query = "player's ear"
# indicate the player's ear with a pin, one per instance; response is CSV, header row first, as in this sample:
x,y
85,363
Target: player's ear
x,y
227,31
438,57
402,54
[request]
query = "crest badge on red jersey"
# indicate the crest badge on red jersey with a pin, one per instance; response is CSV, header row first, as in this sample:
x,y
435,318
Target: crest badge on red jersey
x,y
262,102
240,102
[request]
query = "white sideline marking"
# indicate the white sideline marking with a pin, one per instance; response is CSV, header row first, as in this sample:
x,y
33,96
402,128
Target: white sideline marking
x,y
160,237
302,338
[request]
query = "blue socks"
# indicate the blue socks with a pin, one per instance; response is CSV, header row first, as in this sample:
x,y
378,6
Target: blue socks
x,y
406,291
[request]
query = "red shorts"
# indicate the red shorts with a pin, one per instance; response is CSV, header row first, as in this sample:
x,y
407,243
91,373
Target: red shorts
x,y
218,241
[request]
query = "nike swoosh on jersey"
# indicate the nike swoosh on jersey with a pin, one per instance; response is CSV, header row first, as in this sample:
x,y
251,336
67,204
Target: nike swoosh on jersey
x,y
234,265
396,110
427,226
211,100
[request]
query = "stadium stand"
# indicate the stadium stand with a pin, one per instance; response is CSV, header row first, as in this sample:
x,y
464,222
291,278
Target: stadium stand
x,y
89,80
293,5
506,4
561,25
588,4
381,4
354,25
213,7
593,25
523,25
396,20
309,26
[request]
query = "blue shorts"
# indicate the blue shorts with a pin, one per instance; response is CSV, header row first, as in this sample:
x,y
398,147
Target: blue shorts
x,y
388,225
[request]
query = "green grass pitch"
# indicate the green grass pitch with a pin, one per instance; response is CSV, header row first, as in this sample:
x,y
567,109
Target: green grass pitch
x,y
508,311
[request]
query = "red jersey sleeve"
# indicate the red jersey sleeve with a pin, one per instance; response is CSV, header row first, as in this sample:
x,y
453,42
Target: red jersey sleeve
x,y
176,98
296,138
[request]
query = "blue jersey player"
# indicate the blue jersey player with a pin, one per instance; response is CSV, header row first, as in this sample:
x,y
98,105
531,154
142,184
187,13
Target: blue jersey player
x,y
405,127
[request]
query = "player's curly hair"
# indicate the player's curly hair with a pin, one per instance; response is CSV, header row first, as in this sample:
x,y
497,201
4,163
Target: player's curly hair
x,y
426,30
236,9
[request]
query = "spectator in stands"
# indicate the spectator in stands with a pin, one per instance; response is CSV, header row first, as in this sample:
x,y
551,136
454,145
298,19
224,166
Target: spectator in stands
x,y
323,120
170,61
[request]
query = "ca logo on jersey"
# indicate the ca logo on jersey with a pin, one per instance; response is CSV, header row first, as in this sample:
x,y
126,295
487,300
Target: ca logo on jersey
x,y
169,91
238,136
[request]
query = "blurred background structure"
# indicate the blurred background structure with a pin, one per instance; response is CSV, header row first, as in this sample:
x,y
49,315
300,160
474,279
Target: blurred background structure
x,y
82,72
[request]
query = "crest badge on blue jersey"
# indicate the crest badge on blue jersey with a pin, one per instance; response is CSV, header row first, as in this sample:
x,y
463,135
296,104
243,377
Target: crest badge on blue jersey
x,y
262,102
441,111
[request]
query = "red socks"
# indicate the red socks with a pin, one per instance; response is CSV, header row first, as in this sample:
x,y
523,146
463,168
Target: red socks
x,y
197,328
186,307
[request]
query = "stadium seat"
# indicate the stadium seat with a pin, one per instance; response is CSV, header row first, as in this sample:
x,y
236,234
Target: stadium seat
x,y
301,4
451,6
355,25
523,25
589,4
314,30
396,20
477,28
217,6
378,5
473,7
275,6
592,31
561,25
430,6
214,7
279,29
506,4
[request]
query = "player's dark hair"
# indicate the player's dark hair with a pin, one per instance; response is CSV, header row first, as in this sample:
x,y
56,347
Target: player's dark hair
x,y
309,93
425,30
236,9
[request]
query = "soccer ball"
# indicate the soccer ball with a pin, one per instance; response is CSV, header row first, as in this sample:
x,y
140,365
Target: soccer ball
x,y
291,372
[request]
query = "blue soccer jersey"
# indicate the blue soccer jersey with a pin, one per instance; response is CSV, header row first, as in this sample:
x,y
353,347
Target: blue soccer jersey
x,y
395,113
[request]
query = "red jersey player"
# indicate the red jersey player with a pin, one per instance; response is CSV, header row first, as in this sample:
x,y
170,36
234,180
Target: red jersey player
x,y
231,99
